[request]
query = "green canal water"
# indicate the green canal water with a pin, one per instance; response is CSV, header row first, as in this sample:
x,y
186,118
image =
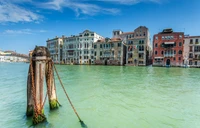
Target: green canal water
x,y
108,97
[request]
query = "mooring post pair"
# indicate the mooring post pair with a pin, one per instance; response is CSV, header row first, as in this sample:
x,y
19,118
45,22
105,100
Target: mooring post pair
x,y
41,68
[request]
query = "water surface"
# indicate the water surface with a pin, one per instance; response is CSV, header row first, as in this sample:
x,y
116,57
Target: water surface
x,y
108,97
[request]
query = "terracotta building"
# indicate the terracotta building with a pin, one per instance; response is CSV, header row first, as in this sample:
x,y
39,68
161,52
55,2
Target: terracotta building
x,y
168,48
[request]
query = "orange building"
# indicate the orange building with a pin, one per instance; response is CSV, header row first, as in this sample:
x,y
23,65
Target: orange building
x,y
168,48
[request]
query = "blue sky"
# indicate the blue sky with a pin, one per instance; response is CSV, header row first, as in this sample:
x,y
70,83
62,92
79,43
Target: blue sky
x,y
26,23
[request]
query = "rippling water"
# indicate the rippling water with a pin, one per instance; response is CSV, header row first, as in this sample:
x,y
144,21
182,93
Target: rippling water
x,y
108,97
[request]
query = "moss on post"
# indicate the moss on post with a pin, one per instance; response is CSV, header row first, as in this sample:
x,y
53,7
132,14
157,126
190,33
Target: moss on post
x,y
53,104
39,118
29,110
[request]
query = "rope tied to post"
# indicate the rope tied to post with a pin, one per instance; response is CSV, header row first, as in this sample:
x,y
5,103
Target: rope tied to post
x,y
82,123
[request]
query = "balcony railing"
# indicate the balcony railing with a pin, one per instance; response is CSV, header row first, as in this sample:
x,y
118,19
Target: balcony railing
x,y
168,55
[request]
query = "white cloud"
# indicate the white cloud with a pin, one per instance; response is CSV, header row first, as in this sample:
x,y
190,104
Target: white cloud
x,y
22,31
129,2
78,7
10,12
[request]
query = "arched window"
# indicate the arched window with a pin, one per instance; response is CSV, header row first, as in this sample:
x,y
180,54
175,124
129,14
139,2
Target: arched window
x,y
156,45
162,52
156,52
179,52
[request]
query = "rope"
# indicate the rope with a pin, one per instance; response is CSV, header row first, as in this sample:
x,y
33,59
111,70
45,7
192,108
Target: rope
x,y
67,94
44,100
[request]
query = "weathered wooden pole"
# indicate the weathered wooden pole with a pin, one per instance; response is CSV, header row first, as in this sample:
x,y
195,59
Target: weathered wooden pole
x,y
29,110
53,103
40,67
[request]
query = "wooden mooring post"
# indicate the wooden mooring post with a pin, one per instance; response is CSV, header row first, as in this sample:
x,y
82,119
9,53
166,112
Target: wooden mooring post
x,y
41,66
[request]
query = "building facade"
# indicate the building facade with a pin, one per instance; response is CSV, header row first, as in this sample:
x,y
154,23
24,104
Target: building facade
x,y
55,48
191,52
125,48
109,52
11,56
79,49
138,48
168,48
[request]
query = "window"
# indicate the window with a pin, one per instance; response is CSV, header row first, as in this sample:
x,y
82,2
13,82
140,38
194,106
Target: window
x,y
130,48
141,48
190,62
92,34
119,44
100,53
195,62
162,52
95,46
174,52
156,38
179,52
191,49
163,37
142,41
156,45
191,41
100,45
174,43
155,52
197,49
174,58
180,36
144,34
179,58
196,41
180,43
112,45
190,55
141,55
95,53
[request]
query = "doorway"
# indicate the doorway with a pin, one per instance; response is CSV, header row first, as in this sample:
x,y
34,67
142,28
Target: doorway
x,y
168,62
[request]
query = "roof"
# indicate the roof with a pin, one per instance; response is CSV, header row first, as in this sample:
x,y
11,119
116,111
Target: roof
x,y
126,33
8,51
109,40
192,36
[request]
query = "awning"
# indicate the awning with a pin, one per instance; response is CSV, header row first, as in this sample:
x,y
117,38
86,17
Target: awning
x,y
158,57
168,42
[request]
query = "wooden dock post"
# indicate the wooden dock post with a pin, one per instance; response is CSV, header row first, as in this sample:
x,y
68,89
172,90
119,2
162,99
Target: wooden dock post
x,y
41,66
53,103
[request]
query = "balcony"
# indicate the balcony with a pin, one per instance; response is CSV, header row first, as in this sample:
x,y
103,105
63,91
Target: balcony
x,y
190,57
168,55
197,58
168,44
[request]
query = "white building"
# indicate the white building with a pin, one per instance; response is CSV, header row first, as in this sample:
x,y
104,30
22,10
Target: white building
x,y
191,54
79,49
10,56
55,47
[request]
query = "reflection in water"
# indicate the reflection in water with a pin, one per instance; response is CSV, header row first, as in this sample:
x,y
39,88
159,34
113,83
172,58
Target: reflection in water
x,y
108,97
